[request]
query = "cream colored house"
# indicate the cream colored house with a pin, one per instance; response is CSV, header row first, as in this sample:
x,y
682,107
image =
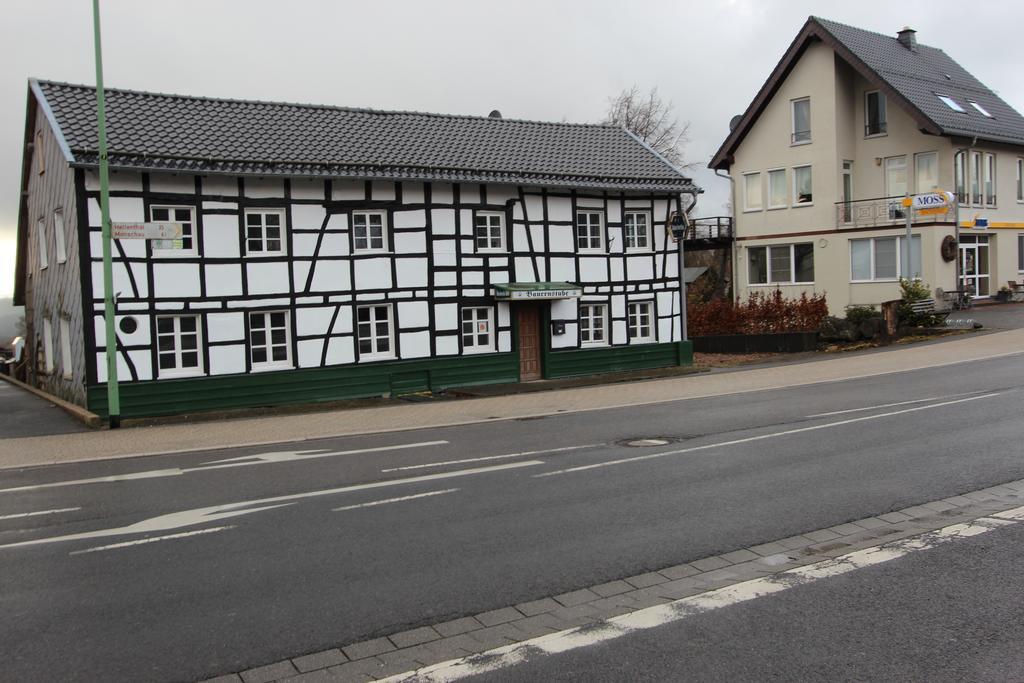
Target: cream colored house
x,y
849,123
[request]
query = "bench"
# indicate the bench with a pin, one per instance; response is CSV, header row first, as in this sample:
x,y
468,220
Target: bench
x,y
927,307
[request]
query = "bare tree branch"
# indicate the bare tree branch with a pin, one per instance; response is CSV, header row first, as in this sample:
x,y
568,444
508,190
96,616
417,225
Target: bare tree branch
x,y
652,120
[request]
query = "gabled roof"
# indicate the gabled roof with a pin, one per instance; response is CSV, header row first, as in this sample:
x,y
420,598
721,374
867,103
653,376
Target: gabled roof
x,y
910,79
151,131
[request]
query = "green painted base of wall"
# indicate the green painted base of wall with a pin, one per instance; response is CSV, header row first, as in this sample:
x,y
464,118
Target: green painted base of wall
x,y
579,362
311,385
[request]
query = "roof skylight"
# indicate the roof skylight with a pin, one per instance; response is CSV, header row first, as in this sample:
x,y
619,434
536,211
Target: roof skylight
x,y
951,103
980,108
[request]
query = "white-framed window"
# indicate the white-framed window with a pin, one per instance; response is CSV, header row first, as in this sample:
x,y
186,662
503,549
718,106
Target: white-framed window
x,y
177,345
777,189
636,226
881,258
781,264
801,121
640,321
874,113
47,346
59,237
477,329
896,185
375,332
593,324
980,109
951,103
926,165
369,231
589,231
269,340
40,159
41,251
960,178
489,231
264,232
990,180
803,189
1020,180
752,195
186,216
976,195
67,372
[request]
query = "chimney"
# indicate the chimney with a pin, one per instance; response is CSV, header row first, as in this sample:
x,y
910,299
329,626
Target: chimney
x,y
908,38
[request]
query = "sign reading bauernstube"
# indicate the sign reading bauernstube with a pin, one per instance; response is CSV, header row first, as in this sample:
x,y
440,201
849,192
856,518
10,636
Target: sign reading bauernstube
x,y
145,231
545,294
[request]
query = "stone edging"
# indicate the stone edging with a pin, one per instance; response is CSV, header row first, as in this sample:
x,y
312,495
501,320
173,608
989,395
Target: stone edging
x,y
427,645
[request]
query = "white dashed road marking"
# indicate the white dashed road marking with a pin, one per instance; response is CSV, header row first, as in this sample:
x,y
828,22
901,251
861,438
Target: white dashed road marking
x,y
374,503
19,515
152,539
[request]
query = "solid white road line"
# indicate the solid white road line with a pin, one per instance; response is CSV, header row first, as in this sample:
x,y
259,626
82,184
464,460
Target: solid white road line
x,y
176,520
762,437
652,617
491,457
41,512
242,461
886,405
151,539
374,503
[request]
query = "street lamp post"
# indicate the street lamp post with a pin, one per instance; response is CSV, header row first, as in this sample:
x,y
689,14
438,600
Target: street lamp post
x,y
110,341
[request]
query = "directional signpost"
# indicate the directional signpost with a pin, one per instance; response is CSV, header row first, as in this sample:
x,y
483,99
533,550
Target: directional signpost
x,y
146,231
926,204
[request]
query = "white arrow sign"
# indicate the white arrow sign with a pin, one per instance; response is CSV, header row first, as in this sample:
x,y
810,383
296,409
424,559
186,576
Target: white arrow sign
x,y
145,231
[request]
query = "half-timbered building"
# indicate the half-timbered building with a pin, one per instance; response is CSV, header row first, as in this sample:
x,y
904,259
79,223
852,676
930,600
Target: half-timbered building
x,y
331,253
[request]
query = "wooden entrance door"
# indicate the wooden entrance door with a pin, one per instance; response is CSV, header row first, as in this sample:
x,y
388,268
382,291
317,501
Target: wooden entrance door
x,y
528,320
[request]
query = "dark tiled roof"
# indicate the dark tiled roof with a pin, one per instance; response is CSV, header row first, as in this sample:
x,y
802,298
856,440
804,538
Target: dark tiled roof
x,y
911,79
919,76
201,135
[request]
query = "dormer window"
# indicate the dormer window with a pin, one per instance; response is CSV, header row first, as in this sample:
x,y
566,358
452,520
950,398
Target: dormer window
x,y
951,103
981,109
874,113
801,121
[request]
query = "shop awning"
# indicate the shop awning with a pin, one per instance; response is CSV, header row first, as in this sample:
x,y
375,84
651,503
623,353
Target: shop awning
x,y
519,291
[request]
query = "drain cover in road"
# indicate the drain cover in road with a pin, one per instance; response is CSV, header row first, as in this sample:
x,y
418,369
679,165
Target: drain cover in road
x,y
647,442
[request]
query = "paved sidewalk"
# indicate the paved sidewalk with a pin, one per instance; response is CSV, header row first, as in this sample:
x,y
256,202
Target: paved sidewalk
x,y
23,414
19,452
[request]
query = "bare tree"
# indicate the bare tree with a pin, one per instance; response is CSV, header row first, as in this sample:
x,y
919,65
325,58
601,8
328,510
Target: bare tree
x,y
652,120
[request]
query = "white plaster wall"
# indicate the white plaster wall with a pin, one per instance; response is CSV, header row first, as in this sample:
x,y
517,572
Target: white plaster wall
x,y
220,185
268,277
413,314
227,360
373,273
415,344
411,272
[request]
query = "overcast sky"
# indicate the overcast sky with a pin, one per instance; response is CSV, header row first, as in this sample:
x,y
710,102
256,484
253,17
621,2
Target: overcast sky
x,y
535,59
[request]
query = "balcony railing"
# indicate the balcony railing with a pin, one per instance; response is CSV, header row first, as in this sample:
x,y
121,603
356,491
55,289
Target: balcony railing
x,y
882,212
710,228
875,128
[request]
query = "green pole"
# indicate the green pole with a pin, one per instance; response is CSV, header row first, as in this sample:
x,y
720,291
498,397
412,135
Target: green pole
x,y
113,395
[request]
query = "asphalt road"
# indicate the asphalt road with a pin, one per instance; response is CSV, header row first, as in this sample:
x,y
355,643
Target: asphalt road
x,y
951,613
244,580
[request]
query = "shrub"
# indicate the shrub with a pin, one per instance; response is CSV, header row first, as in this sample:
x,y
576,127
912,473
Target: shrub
x,y
911,291
858,314
759,314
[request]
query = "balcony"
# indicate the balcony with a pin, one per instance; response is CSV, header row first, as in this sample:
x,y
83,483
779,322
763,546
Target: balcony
x,y
883,212
712,232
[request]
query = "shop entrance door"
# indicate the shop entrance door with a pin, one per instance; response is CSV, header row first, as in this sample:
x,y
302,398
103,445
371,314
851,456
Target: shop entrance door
x,y
974,264
528,322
